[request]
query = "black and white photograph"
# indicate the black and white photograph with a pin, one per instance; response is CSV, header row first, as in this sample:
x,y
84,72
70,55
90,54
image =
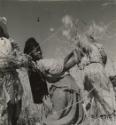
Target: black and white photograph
x,y
57,62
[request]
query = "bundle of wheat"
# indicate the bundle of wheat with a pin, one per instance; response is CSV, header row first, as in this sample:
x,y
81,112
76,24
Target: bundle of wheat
x,y
5,50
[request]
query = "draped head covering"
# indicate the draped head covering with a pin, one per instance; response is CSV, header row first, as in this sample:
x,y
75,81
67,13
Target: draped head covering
x,y
3,27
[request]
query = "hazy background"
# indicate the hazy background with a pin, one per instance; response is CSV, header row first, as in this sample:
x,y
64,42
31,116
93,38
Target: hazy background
x,y
22,22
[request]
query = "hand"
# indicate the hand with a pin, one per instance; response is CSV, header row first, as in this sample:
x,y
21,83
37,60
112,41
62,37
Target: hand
x,y
81,66
47,102
17,98
23,60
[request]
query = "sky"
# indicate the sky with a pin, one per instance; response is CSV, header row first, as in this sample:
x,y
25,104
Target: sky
x,y
23,22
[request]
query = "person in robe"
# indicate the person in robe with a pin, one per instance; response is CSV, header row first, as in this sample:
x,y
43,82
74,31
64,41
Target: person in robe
x,y
11,88
96,83
36,77
51,70
10,82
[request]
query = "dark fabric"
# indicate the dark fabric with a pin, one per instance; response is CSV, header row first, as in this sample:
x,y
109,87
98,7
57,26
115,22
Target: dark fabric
x,y
113,80
14,111
31,44
38,85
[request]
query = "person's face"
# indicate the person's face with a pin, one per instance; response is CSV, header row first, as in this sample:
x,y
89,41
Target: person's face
x,y
36,53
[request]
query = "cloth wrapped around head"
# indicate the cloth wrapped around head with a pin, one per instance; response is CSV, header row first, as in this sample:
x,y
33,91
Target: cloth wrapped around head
x,y
93,50
3,19
3,27
84,45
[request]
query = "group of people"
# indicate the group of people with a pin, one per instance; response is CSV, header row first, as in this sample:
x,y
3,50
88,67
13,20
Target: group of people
x,y
39,70
88,55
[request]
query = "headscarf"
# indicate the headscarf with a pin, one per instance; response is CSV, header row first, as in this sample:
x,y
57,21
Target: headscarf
x,y
3,27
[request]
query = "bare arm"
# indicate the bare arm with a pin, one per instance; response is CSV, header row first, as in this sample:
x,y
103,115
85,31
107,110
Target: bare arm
x,y
67,58
69,65
70,61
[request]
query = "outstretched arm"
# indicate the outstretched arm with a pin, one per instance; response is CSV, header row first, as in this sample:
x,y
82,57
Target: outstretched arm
x,y
67,58
70,61
69,65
